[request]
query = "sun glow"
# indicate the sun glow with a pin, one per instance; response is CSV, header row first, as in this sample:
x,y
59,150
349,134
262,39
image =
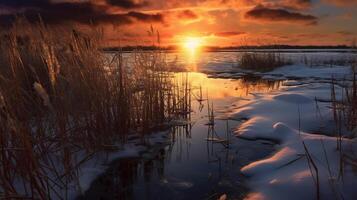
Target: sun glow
x,y
192,43
192,48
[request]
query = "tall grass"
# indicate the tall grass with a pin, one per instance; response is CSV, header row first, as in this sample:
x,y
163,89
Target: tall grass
x,y
345,109
60,95
345,116
262,61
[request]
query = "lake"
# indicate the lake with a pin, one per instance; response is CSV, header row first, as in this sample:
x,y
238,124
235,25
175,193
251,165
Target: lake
x,y
198,160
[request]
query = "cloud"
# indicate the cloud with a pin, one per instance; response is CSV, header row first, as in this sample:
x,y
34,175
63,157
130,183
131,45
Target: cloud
x,y
228,34
279,15
187,14
286,4
145,17
24,3
128,4
84,12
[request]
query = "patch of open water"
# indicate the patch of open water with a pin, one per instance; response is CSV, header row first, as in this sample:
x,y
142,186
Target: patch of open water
x,y
187,165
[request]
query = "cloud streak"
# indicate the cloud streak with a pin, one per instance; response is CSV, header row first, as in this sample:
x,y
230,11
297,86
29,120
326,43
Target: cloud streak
x,y
80,12
128,4
229,34
279,15
187,14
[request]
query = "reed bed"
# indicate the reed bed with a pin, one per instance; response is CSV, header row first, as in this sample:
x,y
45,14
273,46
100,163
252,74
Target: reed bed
x,y
60,95
345,117
345,109
262,61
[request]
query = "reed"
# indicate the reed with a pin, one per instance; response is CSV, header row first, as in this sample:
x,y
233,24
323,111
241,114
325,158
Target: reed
x,y
345,117
61,95
345,110
314,170
262,61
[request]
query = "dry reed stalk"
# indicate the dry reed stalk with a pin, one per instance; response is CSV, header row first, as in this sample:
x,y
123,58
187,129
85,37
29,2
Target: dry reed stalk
x,y
60,95
262,61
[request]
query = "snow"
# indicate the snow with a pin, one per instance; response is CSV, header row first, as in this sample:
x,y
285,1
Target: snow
x,y
286,174
289,117
100,161
293,98
265,109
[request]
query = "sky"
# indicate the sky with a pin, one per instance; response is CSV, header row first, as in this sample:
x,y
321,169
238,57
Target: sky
x,y
215,22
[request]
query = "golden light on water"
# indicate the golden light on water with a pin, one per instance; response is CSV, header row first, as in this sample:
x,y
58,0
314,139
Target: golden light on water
x,y
226,88
192,47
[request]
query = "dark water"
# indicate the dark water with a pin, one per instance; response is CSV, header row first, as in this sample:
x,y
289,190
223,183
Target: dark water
x,y
188,166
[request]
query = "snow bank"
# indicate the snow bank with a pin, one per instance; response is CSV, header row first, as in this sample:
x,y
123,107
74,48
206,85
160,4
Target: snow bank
x,y
286,174
266,110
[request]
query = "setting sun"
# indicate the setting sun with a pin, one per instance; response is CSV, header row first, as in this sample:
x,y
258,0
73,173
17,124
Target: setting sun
x,y
192,43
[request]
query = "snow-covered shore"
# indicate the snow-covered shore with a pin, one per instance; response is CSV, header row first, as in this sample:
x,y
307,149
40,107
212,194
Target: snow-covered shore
x,y
292,117
100,161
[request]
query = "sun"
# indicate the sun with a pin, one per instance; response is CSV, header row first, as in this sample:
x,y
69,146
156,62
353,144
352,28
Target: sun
x,y
192,43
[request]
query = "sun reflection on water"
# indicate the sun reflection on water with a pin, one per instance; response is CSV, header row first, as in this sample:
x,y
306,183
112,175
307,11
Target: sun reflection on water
x,y
225,88
192,49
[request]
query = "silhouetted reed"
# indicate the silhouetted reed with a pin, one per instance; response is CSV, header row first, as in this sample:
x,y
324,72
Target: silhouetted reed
x,y
61,96
262,61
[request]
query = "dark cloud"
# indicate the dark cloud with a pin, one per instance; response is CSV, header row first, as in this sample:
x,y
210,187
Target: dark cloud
x,y
146,17
24,3
187,14
80,12
285,4
279,15
128,4
229,34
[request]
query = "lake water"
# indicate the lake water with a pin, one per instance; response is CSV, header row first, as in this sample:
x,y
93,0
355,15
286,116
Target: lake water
x,y
226,61
188,166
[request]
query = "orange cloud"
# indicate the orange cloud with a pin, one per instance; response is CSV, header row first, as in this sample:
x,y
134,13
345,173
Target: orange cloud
x,y
229,34
221,22
187,14
279,15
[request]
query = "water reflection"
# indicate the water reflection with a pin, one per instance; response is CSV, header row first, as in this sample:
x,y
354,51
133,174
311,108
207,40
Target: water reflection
x,y
198,161
191,57
226,88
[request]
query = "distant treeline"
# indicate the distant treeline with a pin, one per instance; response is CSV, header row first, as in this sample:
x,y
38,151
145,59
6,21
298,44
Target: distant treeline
x,y
231,48
132,48
284,47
